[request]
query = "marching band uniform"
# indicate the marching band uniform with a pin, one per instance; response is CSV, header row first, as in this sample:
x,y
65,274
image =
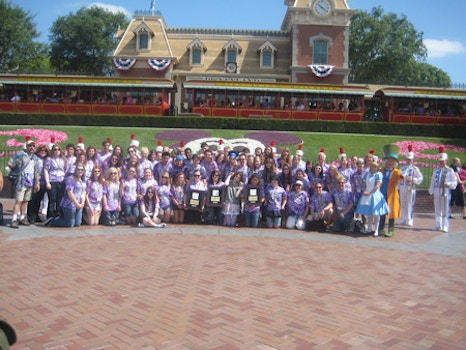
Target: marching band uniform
x,y
412,177
443,180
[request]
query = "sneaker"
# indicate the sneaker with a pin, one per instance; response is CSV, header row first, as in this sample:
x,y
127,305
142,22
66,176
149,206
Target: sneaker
x,y
162,225
24,222
14,224
328,229
390,233
141,224
48,222
376,233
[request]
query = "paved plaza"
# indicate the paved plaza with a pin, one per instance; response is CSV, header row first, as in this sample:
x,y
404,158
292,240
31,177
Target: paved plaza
x,y
208,287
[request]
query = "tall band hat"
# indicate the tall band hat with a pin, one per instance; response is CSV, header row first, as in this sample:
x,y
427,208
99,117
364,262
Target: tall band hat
x,y
391,151
441,154
342,153
81,143
410,153
133,141
300,151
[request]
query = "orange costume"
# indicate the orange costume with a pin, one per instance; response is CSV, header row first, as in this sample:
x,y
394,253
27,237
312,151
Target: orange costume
x,y
393,195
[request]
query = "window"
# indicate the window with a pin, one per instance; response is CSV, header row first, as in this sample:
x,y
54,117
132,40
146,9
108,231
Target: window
x,y
267,59
320,52
196,52
232,51
143,41
231,55
267,54
144,37
196,55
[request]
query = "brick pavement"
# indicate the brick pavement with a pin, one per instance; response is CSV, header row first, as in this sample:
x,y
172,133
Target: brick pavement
x,y
205,287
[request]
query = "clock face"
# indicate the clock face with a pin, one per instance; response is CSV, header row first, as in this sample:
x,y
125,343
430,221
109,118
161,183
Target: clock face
x,y
231,67
321,7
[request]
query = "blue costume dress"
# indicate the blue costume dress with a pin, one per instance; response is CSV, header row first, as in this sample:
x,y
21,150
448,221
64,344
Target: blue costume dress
x,y
375,203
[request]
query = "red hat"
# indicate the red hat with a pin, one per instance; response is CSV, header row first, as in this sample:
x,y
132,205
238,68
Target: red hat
x,y
322,150
159,147
182,144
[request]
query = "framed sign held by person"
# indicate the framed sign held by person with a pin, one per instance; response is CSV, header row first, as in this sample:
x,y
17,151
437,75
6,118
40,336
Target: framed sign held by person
x,y
253,195
195,200
215,196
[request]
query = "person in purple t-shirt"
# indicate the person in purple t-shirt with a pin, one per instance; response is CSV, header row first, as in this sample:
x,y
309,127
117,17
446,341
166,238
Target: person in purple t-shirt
x,y
73,201
298,207
320,209
276,198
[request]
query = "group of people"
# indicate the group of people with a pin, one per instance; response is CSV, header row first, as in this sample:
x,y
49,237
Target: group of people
x,y
221,186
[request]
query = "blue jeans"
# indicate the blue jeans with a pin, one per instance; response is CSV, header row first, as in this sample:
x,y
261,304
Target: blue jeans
x,y
252,218
55,195
343,223
71,217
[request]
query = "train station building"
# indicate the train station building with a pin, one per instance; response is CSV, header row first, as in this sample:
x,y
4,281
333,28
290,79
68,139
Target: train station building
x,y
311,48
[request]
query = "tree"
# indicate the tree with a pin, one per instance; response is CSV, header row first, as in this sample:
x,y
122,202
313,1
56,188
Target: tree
x,y
387,49
82,42
18,51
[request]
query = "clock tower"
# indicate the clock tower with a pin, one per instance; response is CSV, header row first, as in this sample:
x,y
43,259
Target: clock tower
x,y
319,33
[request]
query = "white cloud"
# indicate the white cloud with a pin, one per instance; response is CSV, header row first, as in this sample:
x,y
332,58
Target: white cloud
x,y
442,48
111,8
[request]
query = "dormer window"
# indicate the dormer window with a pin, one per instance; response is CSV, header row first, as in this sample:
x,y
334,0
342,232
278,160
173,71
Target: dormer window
x,y
196,52
144,37
232,50
143,41
267,55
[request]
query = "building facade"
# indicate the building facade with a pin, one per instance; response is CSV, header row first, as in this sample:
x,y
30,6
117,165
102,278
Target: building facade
x,y
311,48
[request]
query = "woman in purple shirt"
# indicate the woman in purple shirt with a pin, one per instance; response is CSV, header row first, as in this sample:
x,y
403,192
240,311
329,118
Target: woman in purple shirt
x,y
95,193
73,201
276,199
129,196
111,199
55,167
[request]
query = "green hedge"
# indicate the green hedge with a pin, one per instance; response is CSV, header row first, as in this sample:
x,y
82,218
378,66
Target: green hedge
x,y
195,122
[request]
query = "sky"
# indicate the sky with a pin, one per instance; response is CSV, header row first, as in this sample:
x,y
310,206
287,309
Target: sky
x,y
441,22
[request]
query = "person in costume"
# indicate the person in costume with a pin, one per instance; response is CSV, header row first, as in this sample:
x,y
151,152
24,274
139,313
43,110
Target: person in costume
x,y
443,180
372,203
412,178
391,178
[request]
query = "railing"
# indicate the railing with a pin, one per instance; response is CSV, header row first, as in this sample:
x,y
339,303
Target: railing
x,y
80,108
273,113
